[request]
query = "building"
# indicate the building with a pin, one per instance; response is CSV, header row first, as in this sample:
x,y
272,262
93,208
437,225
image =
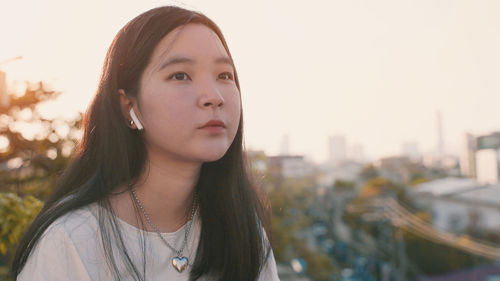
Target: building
x,y
487,158
285,145
399,169
480,158
468,156
357,153
345,171
487,163
258,161
290,166
440,137
337,149
410,150
460,204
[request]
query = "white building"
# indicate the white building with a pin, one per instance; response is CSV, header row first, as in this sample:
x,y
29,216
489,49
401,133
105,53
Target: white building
x,y
337,149
467,156
480,158
290,166
487,165
410,150
285,145
345,171
458,204
356,153
488,158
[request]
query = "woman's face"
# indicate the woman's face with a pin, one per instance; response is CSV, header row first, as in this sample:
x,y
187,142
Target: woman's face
x,y
189,82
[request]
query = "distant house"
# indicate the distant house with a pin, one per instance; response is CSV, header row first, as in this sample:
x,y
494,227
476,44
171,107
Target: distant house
x,y
480,158
290,166
345,171
460,203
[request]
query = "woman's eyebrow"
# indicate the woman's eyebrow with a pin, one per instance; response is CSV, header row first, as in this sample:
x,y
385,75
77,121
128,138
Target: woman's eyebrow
x,y
176,60
184,60
224,60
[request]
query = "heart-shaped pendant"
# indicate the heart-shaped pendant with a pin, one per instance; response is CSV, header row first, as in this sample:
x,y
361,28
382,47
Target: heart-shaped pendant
x,y
180,263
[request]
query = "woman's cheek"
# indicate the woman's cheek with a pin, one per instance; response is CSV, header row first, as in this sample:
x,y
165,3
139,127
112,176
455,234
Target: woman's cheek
x,y
236,114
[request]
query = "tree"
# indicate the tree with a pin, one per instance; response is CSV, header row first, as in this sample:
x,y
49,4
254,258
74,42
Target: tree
x,y
341,185
290,205
380,186
369,172
29,163
16,214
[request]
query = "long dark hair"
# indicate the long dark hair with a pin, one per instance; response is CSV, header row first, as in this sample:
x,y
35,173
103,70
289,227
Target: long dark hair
x,y
232,210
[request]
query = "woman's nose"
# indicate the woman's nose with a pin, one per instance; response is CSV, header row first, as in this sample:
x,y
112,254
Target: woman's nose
x,y
210,95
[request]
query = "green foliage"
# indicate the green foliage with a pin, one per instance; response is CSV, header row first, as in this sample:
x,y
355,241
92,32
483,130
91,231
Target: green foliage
x,y
369,172
288,217
290,204
380,186
424,256
418,180
16,214
433,258
341,185
319,266
30,162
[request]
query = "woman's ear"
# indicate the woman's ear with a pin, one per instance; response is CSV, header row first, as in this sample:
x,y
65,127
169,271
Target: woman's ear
x,y
126,104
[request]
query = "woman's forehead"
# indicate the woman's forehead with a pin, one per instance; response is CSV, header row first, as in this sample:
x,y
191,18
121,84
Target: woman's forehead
x,y
193,41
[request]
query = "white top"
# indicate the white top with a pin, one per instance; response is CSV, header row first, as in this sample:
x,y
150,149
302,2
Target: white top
x,y
71,249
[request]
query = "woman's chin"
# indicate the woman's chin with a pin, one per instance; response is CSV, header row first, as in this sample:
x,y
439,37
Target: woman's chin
x,y
210,151
212,154
212,157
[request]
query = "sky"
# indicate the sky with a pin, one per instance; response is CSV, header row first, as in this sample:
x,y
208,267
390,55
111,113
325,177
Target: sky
x,y
374,71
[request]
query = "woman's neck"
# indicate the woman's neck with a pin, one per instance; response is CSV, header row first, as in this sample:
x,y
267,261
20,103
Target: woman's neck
x,y
166,190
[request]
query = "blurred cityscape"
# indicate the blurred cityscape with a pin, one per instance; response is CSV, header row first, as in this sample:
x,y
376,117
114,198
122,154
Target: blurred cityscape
x,y
406,217
414,216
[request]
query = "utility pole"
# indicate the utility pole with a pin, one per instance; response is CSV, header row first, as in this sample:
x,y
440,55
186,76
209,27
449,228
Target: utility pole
x,y
401,254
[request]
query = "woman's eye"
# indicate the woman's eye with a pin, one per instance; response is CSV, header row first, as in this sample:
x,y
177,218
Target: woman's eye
x,y
180,76
226,76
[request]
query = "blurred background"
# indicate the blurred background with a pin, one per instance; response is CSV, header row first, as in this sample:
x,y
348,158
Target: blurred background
x,y
373,126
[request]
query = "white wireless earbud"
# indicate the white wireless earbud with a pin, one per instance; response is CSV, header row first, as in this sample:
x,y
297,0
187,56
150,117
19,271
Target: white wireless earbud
x,y
135,119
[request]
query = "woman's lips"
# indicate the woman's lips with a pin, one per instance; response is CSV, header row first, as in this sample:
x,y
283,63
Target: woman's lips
x,y
214,127
214,123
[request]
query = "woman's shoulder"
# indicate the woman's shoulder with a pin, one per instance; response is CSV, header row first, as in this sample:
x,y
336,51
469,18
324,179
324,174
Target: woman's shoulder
x,y
76,230
75,223
67,247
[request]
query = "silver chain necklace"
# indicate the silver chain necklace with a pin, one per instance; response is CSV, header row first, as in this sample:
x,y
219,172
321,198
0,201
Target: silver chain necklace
x,y
179,262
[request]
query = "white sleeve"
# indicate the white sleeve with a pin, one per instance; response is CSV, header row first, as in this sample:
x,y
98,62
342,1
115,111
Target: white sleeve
x,y
269,271
54,258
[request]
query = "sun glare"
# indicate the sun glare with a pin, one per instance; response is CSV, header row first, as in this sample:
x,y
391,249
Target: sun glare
x,y
4,144
28,130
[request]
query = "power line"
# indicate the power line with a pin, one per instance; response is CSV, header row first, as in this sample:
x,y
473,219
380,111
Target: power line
x,y
401,217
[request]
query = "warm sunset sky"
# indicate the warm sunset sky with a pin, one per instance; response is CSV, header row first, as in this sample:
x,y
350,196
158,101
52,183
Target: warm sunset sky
x,y
373,70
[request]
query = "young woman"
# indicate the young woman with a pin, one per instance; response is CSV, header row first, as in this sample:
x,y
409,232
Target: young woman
x,y
159,188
